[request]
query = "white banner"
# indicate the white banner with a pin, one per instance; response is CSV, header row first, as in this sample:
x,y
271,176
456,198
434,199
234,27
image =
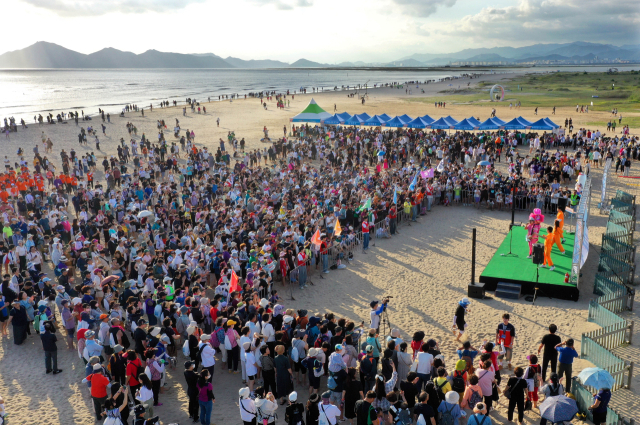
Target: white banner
x,y
607,167
582,234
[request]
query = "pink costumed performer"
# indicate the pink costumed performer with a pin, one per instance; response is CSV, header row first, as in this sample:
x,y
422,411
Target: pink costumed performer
x,y
533,228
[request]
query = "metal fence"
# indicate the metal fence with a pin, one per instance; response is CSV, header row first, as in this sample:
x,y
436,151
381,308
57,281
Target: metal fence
x,y
604,199
584,399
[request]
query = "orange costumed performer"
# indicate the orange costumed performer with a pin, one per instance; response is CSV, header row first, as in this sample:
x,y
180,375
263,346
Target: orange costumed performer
x,y
557,236
560,218
548,245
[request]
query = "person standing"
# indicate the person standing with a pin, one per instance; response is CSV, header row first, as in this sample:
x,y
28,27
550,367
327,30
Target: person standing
x,y
207,354
565,359
329,413
505,336
518,387
99,385
247,407
550,354
459,323
50,348
192,391
19,320
294,414
205,396
599,406
365,234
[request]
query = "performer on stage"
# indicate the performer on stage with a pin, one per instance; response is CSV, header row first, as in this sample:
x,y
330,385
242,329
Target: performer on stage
x,y
549,240
557,236
560,217
533,228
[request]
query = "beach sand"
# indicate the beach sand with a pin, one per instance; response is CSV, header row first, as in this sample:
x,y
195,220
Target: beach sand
x,y
426,268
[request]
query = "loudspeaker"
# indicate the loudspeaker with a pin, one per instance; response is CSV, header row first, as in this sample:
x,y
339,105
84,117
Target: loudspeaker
x,y
475,290
538,254
562,202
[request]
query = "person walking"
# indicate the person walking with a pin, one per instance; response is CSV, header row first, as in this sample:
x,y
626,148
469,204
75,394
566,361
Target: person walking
x,y
99,385
566,354
247,407
506,336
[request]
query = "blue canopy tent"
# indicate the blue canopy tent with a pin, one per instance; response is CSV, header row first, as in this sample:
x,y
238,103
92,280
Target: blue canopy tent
x,y
405,118
441,124
551,123
517,124
374,121
333,120
525,121
490,124
451,120
474,121
345,115
427,119
499,121
466,125
364,116
384,117
395,122
354,120
541,124
417,123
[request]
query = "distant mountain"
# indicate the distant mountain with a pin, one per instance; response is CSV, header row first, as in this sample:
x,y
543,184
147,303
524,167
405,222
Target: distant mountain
x,y
522,54
254,64
49,55
406,63
304,63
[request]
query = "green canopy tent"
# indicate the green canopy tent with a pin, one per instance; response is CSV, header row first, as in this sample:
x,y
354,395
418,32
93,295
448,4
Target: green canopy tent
x,y
312,113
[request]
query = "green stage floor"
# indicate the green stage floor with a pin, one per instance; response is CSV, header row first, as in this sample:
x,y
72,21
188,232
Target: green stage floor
x,y
521,268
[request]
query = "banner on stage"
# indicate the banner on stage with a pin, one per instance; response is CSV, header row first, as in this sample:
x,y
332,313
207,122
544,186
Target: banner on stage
x,y
582,234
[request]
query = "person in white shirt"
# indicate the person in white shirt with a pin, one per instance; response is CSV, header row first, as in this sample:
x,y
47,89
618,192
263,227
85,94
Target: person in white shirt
x,y
267,329
329,413
208,353
243,340
250,366
425,362
247,406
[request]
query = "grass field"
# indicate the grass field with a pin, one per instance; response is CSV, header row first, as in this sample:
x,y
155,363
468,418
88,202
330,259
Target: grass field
x,y
561,89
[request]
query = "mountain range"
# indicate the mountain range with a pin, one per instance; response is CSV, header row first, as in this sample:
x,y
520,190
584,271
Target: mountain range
x,y
49,55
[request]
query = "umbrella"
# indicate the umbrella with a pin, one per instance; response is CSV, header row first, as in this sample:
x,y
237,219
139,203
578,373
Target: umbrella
x,y
109,279
596,377
484,163
558,408
144,213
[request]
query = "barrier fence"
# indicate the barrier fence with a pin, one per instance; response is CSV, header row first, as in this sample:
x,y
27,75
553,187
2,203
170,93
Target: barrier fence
x,y
604,199
584,399
615,295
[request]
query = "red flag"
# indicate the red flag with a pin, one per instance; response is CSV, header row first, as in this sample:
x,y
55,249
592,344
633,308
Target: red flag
x,y
234,286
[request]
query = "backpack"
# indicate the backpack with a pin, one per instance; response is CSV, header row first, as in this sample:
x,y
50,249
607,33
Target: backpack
x,y
139,370
357,409
554,391
474,399
457,383
199,353
185,349
295,356
447,417
318,370
469,364
439,389
296,416
403,417
220,335
535,377
481,422
36,323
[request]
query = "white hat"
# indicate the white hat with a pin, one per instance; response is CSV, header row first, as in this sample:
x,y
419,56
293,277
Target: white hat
x,y
313,352
287,319
155,331
264,303
452,397
293,396
205,337
244,392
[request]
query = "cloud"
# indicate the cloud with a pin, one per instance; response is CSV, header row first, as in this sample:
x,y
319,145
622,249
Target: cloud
x,y
423,8
557,21
284,4
69,8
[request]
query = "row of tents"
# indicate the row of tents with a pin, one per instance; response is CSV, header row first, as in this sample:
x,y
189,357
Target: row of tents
x,y
314,113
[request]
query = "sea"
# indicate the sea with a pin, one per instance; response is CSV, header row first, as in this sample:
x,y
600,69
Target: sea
x,y
25,93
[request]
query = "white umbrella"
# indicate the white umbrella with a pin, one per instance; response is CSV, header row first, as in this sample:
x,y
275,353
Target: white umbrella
x,y
144,213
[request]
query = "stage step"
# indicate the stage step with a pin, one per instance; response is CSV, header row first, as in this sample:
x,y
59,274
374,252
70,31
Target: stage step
x,y
508,290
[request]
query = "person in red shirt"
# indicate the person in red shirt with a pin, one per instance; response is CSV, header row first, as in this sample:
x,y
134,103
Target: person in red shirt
x,y
393,220
99,385
365,235
131,374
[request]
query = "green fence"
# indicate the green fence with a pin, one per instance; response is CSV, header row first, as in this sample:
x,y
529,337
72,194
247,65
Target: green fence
x,y
623,207
618,249
622,269
625,197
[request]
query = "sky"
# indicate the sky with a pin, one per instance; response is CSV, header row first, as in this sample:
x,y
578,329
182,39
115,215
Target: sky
x,y
327,31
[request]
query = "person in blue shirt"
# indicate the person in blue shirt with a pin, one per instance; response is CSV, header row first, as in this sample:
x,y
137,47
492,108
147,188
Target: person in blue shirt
x,y
565,360
467,351
599,406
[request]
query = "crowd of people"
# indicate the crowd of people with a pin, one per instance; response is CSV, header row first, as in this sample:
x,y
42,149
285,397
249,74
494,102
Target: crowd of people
x,y
180,254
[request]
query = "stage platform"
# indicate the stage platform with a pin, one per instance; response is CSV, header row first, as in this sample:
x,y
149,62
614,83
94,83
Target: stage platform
x,y
522,271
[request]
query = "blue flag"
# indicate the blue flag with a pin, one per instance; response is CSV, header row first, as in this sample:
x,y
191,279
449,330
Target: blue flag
x,y
395,195
413,184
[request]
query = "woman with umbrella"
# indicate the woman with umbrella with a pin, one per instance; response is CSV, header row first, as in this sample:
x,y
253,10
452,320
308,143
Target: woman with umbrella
x,y
598,378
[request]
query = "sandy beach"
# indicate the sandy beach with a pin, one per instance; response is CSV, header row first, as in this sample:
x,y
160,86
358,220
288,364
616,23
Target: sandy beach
x,y
426,268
